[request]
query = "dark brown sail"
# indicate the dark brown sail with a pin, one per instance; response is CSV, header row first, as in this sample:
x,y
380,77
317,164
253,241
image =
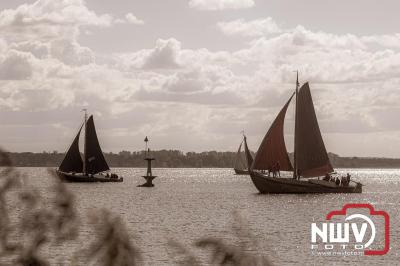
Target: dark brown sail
x,y
94,158
249,158
273,149
311,155
73,161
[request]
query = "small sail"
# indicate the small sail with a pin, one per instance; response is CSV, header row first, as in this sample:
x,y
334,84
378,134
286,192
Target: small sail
x,y
249,158
72,161
312,158
94,158
239,162
273,149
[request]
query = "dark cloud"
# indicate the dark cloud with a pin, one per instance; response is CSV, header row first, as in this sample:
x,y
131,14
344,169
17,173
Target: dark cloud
x,y
204,97
71,53
15,66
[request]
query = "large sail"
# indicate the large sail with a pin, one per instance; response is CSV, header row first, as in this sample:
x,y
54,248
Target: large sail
x,y
249,158
312,158
239,162
73,161
273,149
94,158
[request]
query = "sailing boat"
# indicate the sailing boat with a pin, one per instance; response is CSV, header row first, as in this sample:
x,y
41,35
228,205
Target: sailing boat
x,y
310,156
241,166
93,165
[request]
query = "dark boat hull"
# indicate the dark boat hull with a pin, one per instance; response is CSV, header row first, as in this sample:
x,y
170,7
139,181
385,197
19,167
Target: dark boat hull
x,y
272,185
69,177
241,172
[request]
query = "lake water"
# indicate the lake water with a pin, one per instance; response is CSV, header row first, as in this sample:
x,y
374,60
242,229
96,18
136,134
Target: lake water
x,y
188,204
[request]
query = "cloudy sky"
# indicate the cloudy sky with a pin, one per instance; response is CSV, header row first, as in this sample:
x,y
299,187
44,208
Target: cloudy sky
x,y
193,74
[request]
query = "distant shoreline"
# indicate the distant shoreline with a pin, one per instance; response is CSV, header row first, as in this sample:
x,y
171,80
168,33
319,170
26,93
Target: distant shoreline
x,y
178,159
144,167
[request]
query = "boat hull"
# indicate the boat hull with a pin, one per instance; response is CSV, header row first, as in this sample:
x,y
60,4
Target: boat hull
x,y
69,177
241,172
272,185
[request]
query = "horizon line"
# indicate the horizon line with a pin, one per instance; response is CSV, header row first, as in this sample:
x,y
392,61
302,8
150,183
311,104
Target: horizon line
x,y
186,152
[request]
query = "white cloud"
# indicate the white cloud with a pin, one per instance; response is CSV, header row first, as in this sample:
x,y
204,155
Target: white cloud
x,y
164,55
46,19
265,27
36,48
220,4
253,28
388,41
132,19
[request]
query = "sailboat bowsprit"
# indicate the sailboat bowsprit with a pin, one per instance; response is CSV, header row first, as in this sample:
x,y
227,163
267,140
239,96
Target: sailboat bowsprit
x,y
91,168
310,156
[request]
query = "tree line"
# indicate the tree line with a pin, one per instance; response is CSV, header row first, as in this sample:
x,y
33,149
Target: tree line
x,y
179,159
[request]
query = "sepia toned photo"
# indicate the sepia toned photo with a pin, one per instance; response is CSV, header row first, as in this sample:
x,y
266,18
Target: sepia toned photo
x,y
199,132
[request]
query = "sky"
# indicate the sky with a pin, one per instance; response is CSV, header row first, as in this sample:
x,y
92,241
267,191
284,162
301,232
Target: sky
x,y
193,74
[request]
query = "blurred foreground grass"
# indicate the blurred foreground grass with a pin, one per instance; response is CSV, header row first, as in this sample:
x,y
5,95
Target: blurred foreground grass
x,y
53,221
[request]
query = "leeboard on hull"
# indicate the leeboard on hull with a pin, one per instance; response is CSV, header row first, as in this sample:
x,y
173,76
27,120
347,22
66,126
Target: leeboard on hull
x,y
79,177
272,185
241,172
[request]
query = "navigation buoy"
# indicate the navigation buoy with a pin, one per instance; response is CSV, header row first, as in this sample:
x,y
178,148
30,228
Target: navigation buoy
x,y
149,175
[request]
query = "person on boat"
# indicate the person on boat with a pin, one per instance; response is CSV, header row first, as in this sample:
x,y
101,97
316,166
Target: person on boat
x,y
337,181
297,177
278,169
273,171
348,178
345,182
327,177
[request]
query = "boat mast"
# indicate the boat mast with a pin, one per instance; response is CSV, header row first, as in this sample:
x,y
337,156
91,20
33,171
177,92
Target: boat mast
x,y
84,143
295,172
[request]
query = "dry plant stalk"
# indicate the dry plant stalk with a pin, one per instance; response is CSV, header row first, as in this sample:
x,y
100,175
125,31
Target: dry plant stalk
x,y
112,246
38,224
41,225
222,253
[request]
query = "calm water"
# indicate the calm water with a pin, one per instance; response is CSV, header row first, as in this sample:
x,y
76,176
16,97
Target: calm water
x,y
187,204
